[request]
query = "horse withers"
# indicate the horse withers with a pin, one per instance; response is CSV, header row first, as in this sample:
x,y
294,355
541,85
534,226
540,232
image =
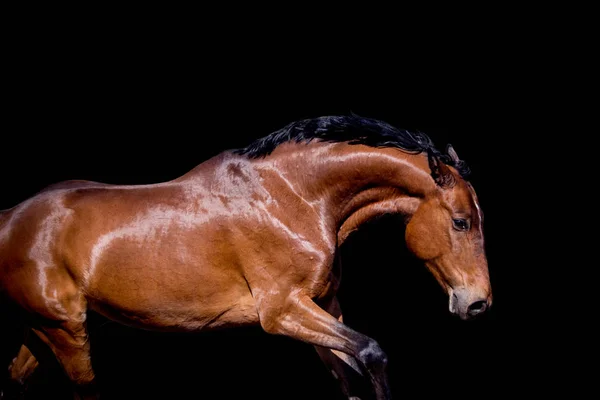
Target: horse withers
x,y
247,237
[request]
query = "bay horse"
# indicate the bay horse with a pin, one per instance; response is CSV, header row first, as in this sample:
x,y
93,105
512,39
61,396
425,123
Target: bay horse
x,y
248,237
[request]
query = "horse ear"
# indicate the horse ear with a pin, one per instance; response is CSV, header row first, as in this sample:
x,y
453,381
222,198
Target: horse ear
x,y
452,153
440,173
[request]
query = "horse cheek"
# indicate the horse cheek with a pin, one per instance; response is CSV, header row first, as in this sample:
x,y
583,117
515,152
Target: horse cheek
x,y
421,239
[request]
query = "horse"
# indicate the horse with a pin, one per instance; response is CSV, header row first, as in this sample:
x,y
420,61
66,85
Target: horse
x,y
248,237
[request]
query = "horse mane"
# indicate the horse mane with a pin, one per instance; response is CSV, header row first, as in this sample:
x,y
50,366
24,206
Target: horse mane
x,y
352,129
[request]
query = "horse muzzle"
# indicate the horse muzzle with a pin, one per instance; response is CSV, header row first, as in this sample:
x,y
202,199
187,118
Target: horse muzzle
x,y
468,304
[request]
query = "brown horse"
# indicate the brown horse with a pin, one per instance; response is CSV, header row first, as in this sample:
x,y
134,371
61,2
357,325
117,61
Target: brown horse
x,y
250,236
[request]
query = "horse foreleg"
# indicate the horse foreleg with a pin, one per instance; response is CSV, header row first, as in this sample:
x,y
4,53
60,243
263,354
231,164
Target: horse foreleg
x,y
343,367
300,318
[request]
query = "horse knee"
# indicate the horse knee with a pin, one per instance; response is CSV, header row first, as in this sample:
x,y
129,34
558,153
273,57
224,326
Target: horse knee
x,y
372,356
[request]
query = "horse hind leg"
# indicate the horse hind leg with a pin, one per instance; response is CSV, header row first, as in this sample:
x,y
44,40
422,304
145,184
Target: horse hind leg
x,y
343,367
26,363
69,342
61,325
300,318
32,352
21,368
13,334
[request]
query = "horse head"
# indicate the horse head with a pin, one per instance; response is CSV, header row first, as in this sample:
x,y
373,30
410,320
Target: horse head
x,y
446,233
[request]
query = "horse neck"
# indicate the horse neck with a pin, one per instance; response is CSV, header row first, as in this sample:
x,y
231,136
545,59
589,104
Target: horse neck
x,y
356,183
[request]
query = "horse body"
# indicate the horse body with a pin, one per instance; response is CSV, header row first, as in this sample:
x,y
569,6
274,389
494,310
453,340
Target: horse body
x,y
236,241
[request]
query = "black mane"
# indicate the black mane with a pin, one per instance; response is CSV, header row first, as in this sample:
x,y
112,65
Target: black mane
x,y
354,130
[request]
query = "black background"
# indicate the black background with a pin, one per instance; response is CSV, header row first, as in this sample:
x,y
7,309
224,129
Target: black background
x,y
138,107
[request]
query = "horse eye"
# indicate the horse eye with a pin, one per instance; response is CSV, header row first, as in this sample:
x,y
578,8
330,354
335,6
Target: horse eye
x,y
460,224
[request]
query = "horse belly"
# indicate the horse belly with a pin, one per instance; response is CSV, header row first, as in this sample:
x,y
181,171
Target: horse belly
x,y
177,316
158,288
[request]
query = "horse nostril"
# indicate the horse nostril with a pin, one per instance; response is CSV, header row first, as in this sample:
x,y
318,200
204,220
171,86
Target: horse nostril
x,y
477,308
